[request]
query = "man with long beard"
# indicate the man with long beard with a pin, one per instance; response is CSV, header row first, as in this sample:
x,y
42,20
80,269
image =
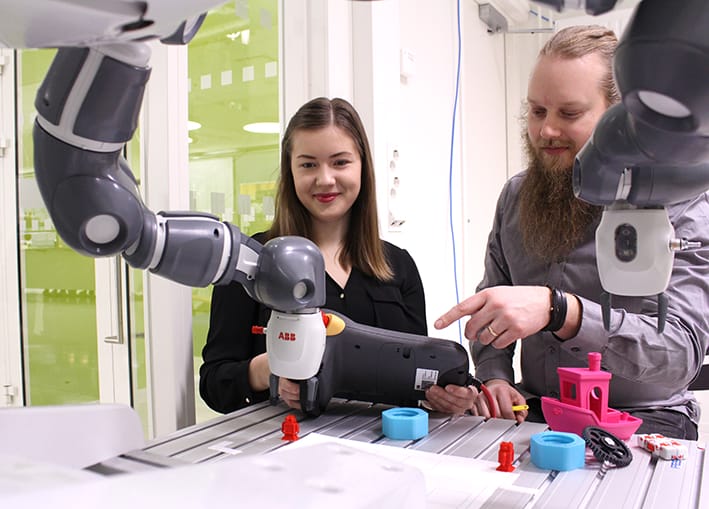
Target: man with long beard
x,y
541,285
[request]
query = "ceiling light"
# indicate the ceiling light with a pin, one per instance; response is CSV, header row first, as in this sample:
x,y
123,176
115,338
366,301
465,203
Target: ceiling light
x,y
263,127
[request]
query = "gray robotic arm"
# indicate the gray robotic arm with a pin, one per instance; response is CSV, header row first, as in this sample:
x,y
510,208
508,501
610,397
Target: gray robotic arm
x,y
87,109
93,200
652,149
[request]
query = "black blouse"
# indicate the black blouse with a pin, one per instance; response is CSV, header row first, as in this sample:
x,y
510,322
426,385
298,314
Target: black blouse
x,y
398,305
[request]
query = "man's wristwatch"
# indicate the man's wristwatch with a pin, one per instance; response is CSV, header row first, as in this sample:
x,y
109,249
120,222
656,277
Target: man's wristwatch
x,y
557,310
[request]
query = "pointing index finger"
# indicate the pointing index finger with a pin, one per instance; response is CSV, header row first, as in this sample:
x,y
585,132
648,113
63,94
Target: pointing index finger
x,y
467,307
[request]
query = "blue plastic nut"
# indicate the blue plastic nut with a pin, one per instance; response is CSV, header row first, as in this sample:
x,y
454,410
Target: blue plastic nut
x,y
554,450
405,423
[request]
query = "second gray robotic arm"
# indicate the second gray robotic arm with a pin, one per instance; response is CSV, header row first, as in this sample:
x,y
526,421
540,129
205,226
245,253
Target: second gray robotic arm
x,y
651,150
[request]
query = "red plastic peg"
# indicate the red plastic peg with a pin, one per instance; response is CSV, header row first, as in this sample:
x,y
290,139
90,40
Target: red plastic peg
x,y
290,428
506,456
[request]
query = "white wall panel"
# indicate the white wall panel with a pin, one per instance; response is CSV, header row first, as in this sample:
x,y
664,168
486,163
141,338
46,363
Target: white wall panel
x,y
10,339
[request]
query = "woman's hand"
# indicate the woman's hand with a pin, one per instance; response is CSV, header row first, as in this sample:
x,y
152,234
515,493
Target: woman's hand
x,y
259,379
259,373
453,399
289,392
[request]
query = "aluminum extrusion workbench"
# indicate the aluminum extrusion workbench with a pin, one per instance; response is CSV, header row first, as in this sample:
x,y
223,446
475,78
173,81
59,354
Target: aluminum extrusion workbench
x,y
648,482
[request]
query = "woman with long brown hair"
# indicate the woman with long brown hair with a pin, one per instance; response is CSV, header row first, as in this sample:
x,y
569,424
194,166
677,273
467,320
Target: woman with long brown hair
x,y
326,193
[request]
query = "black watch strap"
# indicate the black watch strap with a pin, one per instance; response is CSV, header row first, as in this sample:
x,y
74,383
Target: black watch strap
x,y
557,310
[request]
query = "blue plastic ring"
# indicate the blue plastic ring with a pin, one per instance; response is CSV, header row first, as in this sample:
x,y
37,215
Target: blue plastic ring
x,y
405,423
555,450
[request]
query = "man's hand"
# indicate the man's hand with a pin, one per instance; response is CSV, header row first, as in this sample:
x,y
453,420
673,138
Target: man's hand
x,y
505,397
500,315
453,399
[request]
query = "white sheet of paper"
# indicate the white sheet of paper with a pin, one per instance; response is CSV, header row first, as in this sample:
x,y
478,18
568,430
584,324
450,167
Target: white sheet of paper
x,y
451,481
20,475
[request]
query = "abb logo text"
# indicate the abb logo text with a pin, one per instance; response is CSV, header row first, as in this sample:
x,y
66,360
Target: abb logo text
x,y
286,336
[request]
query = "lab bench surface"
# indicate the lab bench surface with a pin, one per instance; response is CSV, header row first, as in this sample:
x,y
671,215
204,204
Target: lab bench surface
x,y
648,481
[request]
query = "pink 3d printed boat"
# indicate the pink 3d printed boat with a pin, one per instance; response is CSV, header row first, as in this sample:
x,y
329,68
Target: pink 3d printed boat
x,y
584,402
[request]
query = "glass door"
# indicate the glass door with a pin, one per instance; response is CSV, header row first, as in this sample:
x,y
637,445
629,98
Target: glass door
x,y
233,70
75,312
58,296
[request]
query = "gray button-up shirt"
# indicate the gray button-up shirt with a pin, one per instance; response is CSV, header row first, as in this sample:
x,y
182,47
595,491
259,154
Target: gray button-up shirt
x,y
650,369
